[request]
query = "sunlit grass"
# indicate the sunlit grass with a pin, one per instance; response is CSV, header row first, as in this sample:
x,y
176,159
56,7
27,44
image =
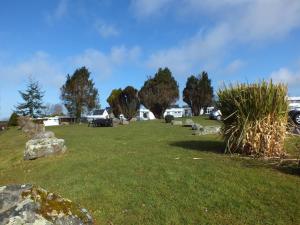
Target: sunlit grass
x,y
156,173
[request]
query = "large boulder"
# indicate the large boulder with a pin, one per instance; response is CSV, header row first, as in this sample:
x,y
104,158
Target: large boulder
x,y
43,147
27,204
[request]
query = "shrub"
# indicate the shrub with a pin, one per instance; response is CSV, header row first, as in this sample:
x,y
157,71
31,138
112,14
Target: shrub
x,y
13,120
255,118
169,118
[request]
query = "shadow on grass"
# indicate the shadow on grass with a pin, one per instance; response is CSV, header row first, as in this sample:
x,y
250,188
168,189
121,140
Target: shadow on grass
x,y
287,167
218,147
201,145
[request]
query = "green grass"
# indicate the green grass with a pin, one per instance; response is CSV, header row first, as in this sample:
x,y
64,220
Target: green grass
x,y
144,173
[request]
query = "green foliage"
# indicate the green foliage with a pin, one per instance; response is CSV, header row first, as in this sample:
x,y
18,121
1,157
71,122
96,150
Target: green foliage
x,y
198,92
169,118
79,93
114,101
159,92
255,117
129,102
13,120
124,101
33,100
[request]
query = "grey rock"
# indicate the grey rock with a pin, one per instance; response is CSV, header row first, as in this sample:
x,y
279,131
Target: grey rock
x,y
208,130
133,119
188,123
43,147
197,126
176,122
27,204
124,122
29,127
116,122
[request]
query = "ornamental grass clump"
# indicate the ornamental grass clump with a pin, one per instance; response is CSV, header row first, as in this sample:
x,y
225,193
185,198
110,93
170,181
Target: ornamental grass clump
x,y
255,118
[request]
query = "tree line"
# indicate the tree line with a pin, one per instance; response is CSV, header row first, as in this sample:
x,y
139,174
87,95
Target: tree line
x,y
79,95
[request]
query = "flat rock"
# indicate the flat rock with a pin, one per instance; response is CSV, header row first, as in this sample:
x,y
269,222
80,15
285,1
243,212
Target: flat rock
x,y
27,204
188,123
207,130
196,126
176,122
43,147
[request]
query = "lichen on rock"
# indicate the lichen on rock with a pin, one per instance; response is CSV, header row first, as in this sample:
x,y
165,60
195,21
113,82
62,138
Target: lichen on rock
x,y
27,204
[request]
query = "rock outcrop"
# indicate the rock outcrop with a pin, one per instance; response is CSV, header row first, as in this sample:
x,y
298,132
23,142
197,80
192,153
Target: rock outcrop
x,y
188,123
27,204
30,128
43,147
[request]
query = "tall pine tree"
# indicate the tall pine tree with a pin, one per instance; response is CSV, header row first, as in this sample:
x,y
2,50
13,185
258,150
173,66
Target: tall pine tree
x,y
159,92
33,100
79,93
198,92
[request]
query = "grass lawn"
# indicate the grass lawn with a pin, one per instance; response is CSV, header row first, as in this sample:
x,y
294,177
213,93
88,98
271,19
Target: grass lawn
x,y
155,173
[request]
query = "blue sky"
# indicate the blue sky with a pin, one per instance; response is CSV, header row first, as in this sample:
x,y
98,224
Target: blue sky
x,y
123,42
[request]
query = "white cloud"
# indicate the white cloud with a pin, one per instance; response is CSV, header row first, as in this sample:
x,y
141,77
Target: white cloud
x,y
102,64
234,66
39,66
284,75
106,30
201,50
59,12
236,22
146,8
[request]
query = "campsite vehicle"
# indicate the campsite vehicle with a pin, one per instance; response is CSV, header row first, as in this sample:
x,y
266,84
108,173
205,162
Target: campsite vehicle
x,y
101,122
294,114
98,114
215,115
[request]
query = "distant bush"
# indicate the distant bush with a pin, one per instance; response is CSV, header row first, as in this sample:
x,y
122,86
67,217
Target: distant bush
x,y
255,118
169,118
13,120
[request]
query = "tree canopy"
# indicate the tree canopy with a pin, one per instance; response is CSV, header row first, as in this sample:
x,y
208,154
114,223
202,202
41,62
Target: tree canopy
x,y
124,101
114,101
33,100
79,93
198,92
129,102
159,92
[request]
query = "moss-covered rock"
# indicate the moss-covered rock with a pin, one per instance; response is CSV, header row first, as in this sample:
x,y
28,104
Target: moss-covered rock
x,y
27,204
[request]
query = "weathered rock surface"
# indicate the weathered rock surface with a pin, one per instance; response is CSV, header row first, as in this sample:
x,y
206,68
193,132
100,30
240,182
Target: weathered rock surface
x,y
116,122
124,122
207,130
188,123
43,147
30,128
176,122
27,204
197,126
133,119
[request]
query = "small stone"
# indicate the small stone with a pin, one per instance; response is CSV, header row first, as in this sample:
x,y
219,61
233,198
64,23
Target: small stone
x,y
176,122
